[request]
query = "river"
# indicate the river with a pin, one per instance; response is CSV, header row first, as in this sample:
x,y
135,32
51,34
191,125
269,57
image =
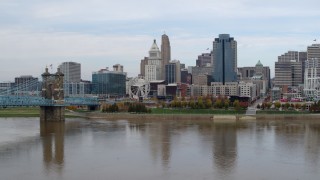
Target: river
x,y
153,150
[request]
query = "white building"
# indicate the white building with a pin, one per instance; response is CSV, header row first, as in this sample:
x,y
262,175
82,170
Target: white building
x,y
311,78
71,71
72,78
248,90
153,67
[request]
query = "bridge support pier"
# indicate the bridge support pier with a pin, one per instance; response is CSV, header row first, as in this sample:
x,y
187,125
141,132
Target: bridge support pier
x,y
52,113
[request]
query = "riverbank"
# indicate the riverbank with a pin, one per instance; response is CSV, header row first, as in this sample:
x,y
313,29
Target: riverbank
x,y
164,114
213,117
20,112
27,112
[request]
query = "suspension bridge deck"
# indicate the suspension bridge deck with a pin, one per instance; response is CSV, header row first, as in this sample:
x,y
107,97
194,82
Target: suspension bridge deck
x,y
13,100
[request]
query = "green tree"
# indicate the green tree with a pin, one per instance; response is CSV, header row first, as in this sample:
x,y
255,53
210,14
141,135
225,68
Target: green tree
x,y
287,105
208,103
268,105
226,104
218,103
192,104
200,103
236,105
277,104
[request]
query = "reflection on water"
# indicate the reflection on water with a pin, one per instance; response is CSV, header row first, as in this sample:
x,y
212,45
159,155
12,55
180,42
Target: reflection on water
x,y
52,134
225,147
149,149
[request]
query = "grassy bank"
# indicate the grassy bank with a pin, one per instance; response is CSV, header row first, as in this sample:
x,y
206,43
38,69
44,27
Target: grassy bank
x,y
25,112
196,111
20,112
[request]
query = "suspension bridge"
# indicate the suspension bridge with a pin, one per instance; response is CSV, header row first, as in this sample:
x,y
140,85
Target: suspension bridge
x,y
50,98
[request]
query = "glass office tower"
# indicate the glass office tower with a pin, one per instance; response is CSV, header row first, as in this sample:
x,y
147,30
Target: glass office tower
x,y
224,59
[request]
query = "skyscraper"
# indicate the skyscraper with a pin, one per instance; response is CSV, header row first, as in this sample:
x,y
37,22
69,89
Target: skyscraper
x,y
165,53
153,67
224,59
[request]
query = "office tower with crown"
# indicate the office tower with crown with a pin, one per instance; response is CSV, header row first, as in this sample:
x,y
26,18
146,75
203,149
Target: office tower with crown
x,y
165,53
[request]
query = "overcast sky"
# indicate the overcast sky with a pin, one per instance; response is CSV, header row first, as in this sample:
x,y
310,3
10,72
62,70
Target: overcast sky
x,y
101,33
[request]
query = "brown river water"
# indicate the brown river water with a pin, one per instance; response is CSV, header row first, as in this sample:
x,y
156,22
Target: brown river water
x,y
81,149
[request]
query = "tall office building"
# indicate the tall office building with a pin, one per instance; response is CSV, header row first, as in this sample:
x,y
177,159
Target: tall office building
x,y
296,56
184,75
173,72
224,59
72,78
27,83
288,73
153,67
109,83
248,73
165,53
313,51
204,60
71,71
288,56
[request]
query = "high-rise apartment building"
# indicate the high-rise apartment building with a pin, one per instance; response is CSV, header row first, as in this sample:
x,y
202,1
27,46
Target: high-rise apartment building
x,y
165,53
224,59
71,71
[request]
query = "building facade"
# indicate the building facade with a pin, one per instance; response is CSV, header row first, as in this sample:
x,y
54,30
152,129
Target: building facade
x,y
165,53
248,90
153,67
6,88
204,60
313,51
27,83
109,83
288,73
224,59
173,72
216,89
71,71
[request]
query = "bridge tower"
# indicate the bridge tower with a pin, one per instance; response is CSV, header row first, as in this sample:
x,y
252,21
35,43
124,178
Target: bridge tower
x,y
52,91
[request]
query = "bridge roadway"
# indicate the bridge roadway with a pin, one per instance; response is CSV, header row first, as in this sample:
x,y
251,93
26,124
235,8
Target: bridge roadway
x,y
41,101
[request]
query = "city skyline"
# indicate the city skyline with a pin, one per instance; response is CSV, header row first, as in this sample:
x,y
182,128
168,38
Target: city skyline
x,y
99,34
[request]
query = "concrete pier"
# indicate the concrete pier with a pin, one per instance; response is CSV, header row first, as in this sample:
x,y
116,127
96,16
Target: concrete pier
x,y
52,90
52,113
